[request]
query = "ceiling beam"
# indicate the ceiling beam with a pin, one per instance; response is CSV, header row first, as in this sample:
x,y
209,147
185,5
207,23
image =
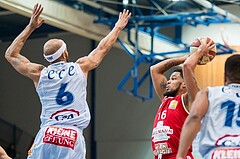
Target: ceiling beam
x,y
75,21
95,5
60,16
218,10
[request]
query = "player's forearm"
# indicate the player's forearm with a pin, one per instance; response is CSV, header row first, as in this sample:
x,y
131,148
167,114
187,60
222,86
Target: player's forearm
x,y
107,42
17,45
103,47
184,145
192,61
188,133
189,76
165,65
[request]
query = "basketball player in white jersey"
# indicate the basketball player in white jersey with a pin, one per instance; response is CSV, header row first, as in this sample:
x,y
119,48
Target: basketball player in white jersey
x,y
61,88
3,154
216,113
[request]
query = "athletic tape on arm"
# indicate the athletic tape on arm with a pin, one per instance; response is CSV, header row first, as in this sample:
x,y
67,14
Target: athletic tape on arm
x,y
57,54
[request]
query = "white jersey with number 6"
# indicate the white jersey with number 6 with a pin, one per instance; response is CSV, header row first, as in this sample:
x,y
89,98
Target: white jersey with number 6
x,y
62,92
65,113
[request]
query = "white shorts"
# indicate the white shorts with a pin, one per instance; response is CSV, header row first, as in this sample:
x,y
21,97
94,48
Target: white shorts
x,y
58,142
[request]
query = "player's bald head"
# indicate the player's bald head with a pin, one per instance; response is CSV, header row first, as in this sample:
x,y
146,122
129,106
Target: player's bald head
x,y
51,46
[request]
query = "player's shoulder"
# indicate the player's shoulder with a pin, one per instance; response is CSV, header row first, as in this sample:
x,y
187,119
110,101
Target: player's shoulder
x,y
218,91
215,88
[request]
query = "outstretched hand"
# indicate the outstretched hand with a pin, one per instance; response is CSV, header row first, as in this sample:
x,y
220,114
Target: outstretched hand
x,y
123,19
205,47
35,20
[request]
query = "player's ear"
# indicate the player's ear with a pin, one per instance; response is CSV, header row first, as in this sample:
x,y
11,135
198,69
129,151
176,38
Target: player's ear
x,y
64,54
225,78
183,85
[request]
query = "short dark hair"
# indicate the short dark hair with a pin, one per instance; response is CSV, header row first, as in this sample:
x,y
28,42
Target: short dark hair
x,y
232,68
179,69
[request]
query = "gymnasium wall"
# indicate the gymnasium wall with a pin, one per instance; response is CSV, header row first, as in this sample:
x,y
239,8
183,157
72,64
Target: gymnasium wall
x,y
212,73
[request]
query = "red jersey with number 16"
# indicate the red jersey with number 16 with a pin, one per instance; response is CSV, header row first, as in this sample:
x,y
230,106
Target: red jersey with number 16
x,y
167,126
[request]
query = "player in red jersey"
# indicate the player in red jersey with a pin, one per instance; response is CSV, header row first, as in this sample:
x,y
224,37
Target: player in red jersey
x,y
176,95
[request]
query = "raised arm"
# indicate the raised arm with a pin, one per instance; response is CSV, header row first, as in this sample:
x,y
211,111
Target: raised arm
x,y
189,68
13,56
91,61
157,73
193,123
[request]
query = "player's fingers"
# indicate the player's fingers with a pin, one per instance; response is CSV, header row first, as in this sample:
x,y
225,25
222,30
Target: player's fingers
x,y
129,15
37,8
39,11
210,42
200,41
126,13
210,56
120,15
123,13
212,46
34,9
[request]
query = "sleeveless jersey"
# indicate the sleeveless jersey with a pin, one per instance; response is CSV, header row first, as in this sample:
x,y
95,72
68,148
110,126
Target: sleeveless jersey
x,y
167,127
62,92
220,131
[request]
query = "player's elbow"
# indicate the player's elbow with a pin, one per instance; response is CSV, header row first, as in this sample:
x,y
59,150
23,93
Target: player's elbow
x,y
193,118
153,69
7,55
187,66
95,61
